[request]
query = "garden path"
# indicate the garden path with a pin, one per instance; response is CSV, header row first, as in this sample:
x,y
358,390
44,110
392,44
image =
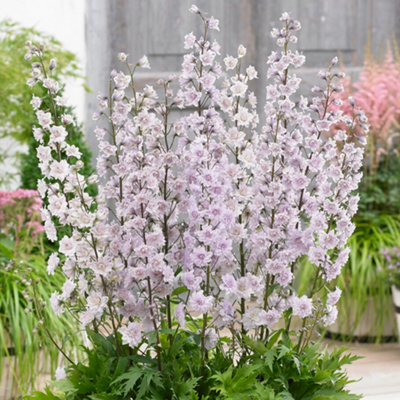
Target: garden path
x,y
378,371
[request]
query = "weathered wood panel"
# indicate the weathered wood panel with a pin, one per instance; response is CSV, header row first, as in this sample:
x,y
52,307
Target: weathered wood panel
x,y
157,27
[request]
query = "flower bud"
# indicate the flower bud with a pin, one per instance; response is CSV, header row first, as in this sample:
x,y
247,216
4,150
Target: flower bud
x,y
52,64
122,57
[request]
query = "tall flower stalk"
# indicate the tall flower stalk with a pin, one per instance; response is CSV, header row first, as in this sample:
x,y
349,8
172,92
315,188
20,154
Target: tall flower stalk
x,y
200,222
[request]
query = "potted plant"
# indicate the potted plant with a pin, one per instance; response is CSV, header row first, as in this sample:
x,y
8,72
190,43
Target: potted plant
x,y
181,268
391,271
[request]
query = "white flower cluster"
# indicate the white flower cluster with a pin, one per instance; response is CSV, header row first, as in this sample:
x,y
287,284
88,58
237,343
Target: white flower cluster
x,y
208,215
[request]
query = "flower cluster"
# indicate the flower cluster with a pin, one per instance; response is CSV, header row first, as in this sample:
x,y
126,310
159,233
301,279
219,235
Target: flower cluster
x,y
201,222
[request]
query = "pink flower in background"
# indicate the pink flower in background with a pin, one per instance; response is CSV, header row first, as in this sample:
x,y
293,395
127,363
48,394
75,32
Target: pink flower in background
x,y
377,92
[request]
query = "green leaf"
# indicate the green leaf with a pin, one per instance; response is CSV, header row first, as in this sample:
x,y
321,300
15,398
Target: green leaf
x,y
180,290
283,351
269,357
129,378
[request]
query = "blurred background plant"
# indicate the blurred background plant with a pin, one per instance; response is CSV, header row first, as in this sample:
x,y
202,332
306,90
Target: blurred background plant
x,y
377,91
25,347
391,265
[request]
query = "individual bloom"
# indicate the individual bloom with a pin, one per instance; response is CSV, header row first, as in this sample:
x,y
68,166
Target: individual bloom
x,y
199,303
190,40
60,373
210,338
207,58
192,97
50,230
253,317
44,119
36,102
57,134
191,281
52,263
180,314
194,9
207,80
122,57
241,51
244,289
213,23
316,255
251,72
55,303
102,266
131,334
274,267
121,80
67,246
224,315
67,119
239,88
67,289
201,256
229,284
243,116
73,151
272,92
230,62
300,181
59,169
144,62
96,303
333,297
51,84
271,317
302,306
252,99
38,134
225,103
60,101
331,316
43,154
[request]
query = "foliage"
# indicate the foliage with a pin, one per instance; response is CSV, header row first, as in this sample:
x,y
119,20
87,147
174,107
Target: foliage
x,y
380,192
273,372
24,321
16,114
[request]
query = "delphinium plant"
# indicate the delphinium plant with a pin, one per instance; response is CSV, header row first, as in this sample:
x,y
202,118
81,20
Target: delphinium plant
x,y
181,268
